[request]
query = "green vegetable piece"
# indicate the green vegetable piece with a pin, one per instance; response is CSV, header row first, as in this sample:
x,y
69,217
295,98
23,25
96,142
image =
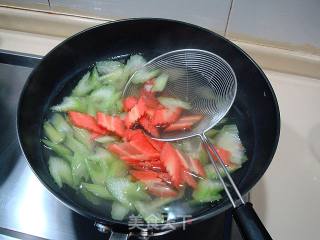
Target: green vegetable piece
x,y
59,149
222,122
104,98
90,197
118,189
52,133
134,63
106,67
79,168
212,133
60,123
98,170
149,215
60,171
83,136
160,83
203,156
106,139
207,191
102,94
228,138
143,75
118,169
174,102
97,190
102,153
112,78
160,202
78,104
136,191
212,174
91,109
118,211
87,83
76,146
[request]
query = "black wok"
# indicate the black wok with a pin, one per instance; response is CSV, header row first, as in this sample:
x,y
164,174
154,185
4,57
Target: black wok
x,y
255,110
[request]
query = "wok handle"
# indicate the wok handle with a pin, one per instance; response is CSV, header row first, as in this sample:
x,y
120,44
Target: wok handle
x,y
249,223
118,236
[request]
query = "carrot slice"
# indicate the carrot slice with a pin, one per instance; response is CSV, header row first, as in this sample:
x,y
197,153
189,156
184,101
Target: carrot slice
x,y
82,120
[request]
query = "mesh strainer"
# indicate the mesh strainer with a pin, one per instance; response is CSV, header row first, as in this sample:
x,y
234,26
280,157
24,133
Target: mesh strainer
x,y
208,83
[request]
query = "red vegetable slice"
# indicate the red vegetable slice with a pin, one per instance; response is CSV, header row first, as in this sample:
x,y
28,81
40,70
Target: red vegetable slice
x,y
161,189
184,123
135,113
224,154
94,135
158,145
85,121
197,167
165,116
147,125
145,176
150,112
141,143
182,159
129,103
129,134
171,161
137,157
189,179
111,123
123,149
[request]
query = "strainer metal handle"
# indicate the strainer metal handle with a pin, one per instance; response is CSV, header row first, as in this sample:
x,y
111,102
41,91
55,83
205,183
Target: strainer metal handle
x,y
249,223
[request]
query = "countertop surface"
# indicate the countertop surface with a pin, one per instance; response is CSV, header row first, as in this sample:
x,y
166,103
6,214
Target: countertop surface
x,y
287,197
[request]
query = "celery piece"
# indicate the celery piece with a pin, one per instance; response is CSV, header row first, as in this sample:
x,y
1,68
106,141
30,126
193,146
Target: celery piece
x,y
102,153
52,134
141,76
160,83
112,78
79,168
212,174
98,169
59,149
228,139
119,211
117,187
83,136
60,123
150,215
97,190
104,98
174,102
90,197
203,156
212,133
106,67
134,63
76,146
87,83
136,191
207,191
118,169
98,165
91,109
78,104
60,171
